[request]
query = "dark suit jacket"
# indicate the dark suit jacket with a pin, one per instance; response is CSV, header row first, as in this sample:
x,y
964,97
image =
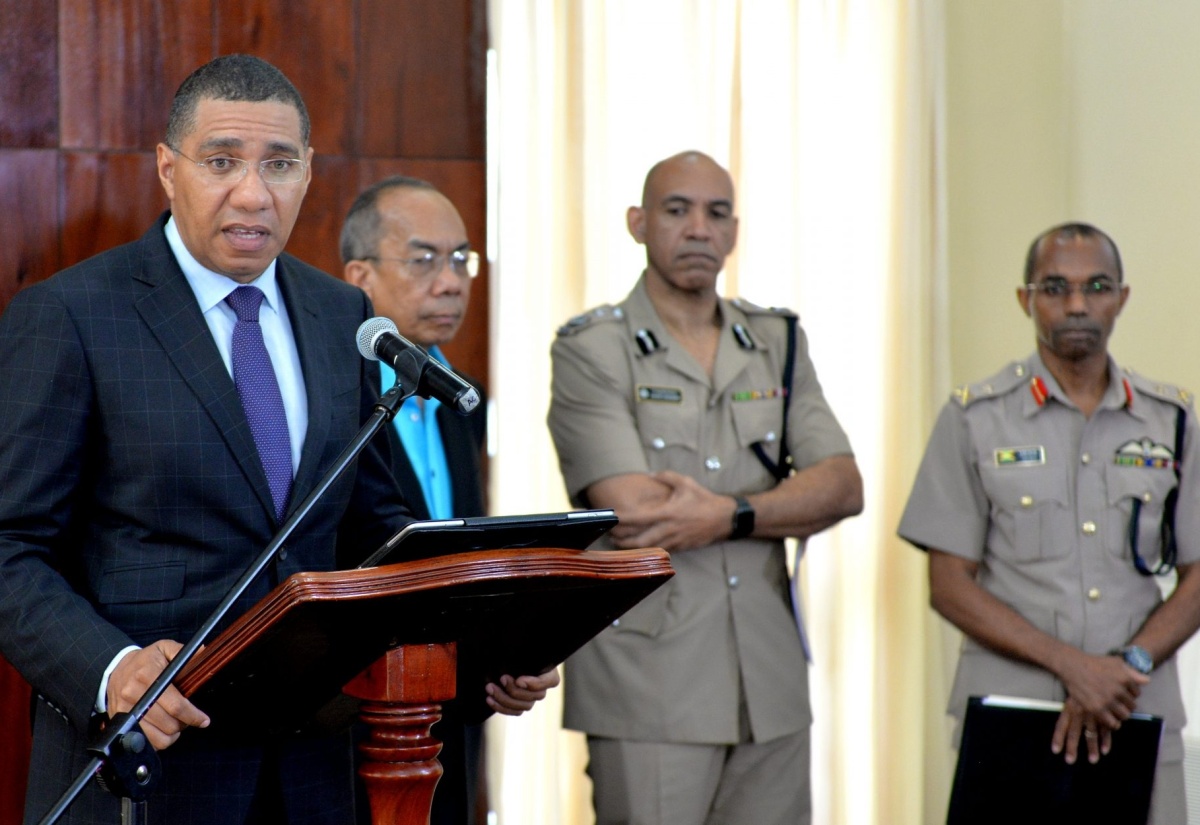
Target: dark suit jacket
x,y
132,497
462,439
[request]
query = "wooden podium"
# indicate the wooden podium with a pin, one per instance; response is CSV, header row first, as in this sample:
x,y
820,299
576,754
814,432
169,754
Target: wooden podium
x,y
393,643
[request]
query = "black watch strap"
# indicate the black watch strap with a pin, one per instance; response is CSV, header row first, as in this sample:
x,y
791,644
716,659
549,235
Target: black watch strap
x,y
743,519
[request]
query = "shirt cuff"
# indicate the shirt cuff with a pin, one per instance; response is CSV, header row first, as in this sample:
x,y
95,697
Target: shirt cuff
x,y
102,695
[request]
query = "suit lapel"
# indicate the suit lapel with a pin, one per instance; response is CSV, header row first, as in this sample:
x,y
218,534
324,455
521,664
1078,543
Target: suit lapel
x,y
168,306
462,455
402,468
312,344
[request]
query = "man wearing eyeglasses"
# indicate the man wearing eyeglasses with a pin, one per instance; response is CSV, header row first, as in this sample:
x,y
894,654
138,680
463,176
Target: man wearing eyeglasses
x,y
1042,501
406,246
164,406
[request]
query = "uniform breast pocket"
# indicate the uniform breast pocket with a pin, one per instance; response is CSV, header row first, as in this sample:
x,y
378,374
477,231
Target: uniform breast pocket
x,y
1026,501
760,420
670,432
1149,487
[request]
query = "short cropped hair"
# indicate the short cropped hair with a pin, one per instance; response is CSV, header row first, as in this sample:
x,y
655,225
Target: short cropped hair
x,y
362,229
239,77
1071,230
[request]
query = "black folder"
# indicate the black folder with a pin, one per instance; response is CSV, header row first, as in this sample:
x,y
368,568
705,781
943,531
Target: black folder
x,y
1007,774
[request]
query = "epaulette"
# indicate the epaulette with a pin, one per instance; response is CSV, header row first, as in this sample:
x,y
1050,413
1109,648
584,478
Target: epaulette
x,y
604,312
1008,379
751,308
1157,389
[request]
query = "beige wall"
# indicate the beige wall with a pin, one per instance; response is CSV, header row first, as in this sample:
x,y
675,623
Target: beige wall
x,y
1074,109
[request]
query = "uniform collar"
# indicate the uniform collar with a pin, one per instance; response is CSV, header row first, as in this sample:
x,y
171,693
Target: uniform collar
x,y
1043,388
731,360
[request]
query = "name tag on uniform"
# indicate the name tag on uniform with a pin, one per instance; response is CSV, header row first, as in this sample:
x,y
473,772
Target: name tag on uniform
x,y
668,395
1020,456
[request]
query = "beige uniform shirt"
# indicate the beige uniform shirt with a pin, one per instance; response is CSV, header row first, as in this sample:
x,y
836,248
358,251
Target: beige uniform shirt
x,y
1016,478
719,640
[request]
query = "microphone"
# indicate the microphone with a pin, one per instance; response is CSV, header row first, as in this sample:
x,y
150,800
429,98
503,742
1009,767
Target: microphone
x,y
379,340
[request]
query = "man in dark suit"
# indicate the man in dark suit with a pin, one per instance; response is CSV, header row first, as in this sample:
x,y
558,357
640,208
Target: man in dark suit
x,y
148,455
406,246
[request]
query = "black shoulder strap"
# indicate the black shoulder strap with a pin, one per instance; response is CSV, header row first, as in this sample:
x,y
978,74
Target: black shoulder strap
x,y
783,468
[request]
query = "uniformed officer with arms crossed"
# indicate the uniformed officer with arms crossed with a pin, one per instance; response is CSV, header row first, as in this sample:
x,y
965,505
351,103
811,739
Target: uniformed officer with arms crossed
x,y
680,409
1040,501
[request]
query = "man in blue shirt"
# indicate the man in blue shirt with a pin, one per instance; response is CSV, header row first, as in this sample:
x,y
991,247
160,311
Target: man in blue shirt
x,y
406,246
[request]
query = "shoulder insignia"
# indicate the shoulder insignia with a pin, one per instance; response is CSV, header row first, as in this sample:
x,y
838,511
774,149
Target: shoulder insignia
x,y
1157,389
751,308
1008,379
605,312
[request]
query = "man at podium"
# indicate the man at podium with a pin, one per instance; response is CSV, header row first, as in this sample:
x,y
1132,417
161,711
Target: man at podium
x,y
163,408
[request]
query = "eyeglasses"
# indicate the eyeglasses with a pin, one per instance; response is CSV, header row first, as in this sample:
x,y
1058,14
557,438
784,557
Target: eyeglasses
x,y
464,264
231,170
1060,288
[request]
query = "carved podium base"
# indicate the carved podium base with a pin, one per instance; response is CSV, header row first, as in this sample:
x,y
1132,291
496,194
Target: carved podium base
x,y
401,697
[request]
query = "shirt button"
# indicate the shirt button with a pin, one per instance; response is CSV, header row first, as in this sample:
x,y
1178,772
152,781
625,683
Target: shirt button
x,y
1086,458
1026,501
733,581
283,555
658,443
1094,594
616,623
770,437
1088,527
712,463
1146,497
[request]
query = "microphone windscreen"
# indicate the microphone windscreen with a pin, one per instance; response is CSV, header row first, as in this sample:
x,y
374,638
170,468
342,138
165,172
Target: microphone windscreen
x,y
368,331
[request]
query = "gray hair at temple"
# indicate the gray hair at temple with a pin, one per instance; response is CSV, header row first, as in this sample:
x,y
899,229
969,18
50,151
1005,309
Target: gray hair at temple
x,y
1071,230
363,229
237,77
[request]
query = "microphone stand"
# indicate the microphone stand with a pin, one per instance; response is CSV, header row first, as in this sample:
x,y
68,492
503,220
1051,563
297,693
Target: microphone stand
x,y
127,762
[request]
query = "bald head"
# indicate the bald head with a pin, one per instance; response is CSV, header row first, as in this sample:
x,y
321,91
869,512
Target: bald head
x,y
685,163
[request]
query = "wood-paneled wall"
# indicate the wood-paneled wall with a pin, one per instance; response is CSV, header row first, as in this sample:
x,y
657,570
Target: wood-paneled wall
x,y
392,86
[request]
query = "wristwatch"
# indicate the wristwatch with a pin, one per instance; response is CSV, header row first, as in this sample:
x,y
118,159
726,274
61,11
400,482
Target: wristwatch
x,y
1137,658
743,519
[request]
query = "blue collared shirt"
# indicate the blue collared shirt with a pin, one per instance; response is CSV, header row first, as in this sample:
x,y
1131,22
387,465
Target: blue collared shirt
x,y
417,425
211,289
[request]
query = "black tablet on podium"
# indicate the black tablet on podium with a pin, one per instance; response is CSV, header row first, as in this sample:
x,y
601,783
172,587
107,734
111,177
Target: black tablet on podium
x,y
573,530
1007,774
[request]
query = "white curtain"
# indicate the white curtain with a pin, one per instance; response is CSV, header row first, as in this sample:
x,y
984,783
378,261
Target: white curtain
x,y
828,114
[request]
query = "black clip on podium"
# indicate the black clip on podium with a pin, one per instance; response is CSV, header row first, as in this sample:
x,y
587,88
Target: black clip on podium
x,y
127,763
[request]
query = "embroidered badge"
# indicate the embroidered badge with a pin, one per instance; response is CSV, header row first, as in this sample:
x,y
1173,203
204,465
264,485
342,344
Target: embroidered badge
x,y
1020,456
759,395
669,395
1144,452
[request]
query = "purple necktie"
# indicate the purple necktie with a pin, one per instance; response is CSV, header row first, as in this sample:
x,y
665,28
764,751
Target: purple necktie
x,y
255,380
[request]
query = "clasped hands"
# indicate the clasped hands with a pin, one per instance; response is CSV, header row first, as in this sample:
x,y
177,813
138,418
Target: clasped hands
x,y
1102,692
